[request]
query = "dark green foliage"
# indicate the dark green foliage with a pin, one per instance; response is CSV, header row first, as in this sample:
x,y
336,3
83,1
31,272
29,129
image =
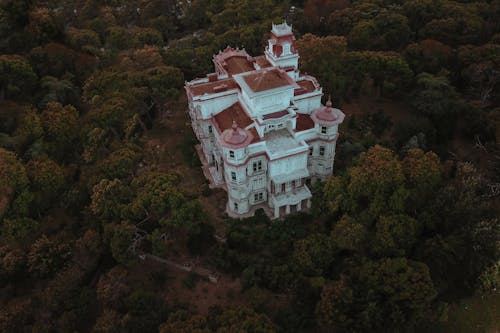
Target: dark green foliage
x,y
146,311
392,237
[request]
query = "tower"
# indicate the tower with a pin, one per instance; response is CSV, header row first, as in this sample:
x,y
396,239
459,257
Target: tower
x,y
281,51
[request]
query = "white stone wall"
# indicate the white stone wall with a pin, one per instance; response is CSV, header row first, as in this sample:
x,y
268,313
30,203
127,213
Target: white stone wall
x,y
308,104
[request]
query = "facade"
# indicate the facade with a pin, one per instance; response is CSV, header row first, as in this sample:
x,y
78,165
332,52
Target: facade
x,y
264,134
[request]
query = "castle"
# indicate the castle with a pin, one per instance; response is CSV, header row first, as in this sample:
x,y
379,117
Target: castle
x,y
264,134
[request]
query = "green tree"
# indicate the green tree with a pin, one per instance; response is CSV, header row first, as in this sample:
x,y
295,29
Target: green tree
x,y
47,257
16,77
157,195
122,242
398,293
314,254
13,179
182,321
47,180
243,319
110,199
113,288
349,235
395,235
120,164
333,308
61,127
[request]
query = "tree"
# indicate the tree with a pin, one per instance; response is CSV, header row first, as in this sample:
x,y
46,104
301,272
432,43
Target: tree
x,y
377,179
16,77
429,56
385,31
435,96
121,243
423,174
182,321
146,311
398,293
47,180
109,321
47,257
121,163
30,126
113,288
395,235
157,195
12,265
58,90
43,25
349,235
13,179
60,124
242,319
109,199
18,229
83,39
333,308
314,254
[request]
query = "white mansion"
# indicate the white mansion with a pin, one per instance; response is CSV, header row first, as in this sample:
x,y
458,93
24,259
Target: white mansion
x,y
264,134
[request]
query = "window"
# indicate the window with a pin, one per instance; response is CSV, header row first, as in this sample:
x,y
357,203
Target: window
x,y
210,129
231,153
321,151
258,196
283,187
235,207
311,150
233,176
257,166
323,129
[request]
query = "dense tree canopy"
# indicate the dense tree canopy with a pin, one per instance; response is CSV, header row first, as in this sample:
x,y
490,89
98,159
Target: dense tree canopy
x,y
92,124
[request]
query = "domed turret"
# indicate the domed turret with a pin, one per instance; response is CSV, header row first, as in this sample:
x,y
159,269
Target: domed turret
x,y
327,115
236,137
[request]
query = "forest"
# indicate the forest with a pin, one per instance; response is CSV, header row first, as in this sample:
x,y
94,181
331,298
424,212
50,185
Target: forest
x,y
97,166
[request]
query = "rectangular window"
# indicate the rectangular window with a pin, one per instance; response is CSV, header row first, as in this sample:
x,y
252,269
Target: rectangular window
x,y
257,166
261,196
311,150
321,151
210,129
323,129
283,187
231,153
258,196
233,176
235,207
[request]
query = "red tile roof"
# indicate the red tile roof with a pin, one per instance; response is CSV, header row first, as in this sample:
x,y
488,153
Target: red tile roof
x,y
224,119
275,115
255,135
237,64
262,61
212,87
267,79
307,85
304,122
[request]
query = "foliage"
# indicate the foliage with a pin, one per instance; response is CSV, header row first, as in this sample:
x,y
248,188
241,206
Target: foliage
x,y
395,234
